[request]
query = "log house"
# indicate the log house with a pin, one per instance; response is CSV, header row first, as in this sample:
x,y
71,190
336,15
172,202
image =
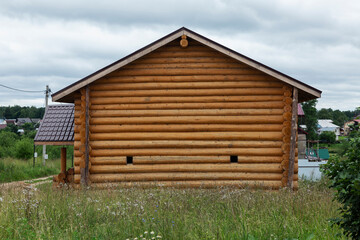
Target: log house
x,y
186,111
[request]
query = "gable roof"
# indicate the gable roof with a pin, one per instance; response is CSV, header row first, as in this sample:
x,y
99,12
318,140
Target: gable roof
x,y
57,127
326,123
306,92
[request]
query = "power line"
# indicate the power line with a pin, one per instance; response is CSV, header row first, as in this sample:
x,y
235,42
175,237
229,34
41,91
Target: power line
x,y
20,90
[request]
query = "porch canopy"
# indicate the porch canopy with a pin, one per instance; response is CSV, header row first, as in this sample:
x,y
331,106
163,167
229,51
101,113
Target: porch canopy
x,y
57,127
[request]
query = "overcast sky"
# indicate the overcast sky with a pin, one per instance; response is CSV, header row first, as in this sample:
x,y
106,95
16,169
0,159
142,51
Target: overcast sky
x,y
60,42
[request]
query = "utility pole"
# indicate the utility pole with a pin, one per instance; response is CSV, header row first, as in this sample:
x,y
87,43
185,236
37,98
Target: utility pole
x,y
47,91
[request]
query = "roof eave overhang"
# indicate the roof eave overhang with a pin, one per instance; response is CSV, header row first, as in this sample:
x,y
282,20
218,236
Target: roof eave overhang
x,y
62,94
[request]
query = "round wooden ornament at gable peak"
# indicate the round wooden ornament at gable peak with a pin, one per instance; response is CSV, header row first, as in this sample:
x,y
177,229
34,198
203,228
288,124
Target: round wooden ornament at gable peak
x,y
184,42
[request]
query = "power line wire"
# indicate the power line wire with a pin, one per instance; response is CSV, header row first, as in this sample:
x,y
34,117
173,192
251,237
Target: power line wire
x,y
20,90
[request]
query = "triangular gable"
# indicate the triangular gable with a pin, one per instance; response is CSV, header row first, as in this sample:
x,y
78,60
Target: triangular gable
x,y
306,92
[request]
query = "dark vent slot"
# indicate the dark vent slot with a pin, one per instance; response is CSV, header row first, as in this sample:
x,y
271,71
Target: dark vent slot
x,y
129,159
234,159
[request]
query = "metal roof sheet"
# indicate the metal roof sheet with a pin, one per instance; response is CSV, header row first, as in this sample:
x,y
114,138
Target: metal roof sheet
x,y
53,128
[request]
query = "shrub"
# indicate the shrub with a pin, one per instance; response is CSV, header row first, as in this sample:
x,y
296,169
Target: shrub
x,y
328,137
24,148
344,177
7,142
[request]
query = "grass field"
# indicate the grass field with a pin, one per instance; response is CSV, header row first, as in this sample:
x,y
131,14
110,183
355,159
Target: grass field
x,y
16,170
221,213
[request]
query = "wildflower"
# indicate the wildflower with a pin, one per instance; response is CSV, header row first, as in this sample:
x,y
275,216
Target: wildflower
x,y
1,199
146,232
158,236
152,233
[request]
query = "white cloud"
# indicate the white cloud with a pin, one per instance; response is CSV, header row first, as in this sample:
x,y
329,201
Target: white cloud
x,y
317,42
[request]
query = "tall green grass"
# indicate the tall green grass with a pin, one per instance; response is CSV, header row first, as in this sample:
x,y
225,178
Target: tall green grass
x,y
16,170
222,213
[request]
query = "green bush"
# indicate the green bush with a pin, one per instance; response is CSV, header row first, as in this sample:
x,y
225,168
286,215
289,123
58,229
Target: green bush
x,y
344,175
24,148
7,143
328,137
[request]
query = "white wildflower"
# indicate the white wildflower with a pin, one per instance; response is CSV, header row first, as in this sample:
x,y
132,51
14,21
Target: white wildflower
x,y
146,232
1,199
152,233
158,236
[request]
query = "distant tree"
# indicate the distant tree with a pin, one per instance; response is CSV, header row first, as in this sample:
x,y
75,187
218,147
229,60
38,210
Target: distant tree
x,y
16,111
7,113
339,118
325,113
311,120
328,137
11,128
24,148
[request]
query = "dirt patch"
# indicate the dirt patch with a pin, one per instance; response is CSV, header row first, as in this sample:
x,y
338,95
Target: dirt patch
x,y
25,183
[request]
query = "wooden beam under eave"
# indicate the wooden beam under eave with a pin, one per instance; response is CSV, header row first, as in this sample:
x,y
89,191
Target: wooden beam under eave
x,y
293,137
68,143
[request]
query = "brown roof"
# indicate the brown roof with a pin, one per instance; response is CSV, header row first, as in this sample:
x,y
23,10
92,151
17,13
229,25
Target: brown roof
x,y
57,127
306,92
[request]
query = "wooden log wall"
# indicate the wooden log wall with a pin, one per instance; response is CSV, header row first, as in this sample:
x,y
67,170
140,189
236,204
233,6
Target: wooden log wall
x,y
180,113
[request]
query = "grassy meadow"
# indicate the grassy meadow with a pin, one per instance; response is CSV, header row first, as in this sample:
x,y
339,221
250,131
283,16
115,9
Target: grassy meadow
x,y
168,213
16,169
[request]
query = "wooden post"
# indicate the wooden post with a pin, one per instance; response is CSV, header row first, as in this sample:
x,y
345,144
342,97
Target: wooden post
x,y
85,171
293,137
63,160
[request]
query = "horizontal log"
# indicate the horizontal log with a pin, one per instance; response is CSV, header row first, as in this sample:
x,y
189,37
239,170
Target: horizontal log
x,y
187,78
266,119
185,65
183,71
254,184
247,136
187,99
159,60
230,167
183,128
184,85
127,177
188,151
184,112
183,144
195,105
179,159
203,159
173,54
139,160
188,92
177,47
109,160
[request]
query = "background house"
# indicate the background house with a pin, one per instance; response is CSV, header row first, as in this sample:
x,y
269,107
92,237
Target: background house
x,y
326,125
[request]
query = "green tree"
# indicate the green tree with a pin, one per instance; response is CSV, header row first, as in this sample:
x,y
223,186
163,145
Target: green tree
x,y
325,113
328,137
24,148
7,142
11,128
339,118
344,177
311,120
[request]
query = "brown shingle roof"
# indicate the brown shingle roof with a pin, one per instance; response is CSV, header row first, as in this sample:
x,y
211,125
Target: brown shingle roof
x,y
57,127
